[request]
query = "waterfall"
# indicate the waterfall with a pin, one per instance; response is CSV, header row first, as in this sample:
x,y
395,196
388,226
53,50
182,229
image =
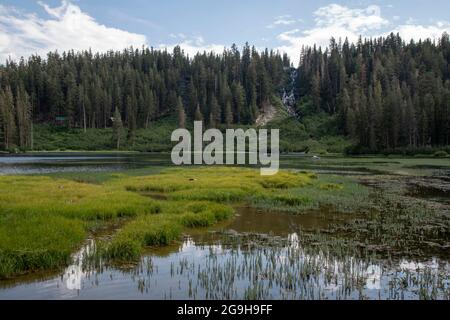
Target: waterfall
x,y
288,97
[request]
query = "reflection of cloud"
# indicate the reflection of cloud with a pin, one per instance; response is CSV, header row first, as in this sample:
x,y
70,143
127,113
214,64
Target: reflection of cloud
x,y
74,272
74,276
415,266
294,241
373,281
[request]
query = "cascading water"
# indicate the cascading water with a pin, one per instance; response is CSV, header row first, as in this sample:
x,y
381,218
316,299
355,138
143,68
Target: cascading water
x,y
288,97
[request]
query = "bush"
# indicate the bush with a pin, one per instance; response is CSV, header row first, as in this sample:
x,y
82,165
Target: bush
x,y
440,154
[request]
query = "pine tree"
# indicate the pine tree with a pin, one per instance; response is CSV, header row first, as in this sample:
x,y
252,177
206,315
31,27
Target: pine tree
x,y
215,113
315,91
238,101
7,110
198,114
151,108
130,107
228,114
402,89
118,131
23,115
181,114
344,109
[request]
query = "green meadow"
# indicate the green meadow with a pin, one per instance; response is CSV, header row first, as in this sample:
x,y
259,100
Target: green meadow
x,y
44,219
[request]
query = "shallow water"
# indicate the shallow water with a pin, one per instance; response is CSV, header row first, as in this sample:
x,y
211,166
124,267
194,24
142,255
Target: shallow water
x,y
431,193
236,263
220,272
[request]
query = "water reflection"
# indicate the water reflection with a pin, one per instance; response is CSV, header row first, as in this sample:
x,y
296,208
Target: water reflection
x,y
78,162
223,270
75,273
53,162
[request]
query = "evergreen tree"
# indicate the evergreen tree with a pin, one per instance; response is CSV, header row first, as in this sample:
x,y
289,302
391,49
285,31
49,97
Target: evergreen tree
x,y
118,130
23,115
181,114
8,112
215,113
198,114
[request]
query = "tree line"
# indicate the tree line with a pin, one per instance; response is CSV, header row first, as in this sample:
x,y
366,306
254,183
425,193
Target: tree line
x,y
385,93
86,90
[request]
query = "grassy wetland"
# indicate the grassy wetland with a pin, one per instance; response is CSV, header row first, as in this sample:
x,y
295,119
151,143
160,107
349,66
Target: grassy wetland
x,y
330,228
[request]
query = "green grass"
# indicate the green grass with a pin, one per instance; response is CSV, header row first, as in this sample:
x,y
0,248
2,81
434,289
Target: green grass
x,y
43,219
37,242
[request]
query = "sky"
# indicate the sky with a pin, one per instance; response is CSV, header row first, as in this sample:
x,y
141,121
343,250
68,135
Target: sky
x,y
36,27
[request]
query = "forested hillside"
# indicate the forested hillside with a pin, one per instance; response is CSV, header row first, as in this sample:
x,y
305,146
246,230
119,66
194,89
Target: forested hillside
x,y
385,94
83,90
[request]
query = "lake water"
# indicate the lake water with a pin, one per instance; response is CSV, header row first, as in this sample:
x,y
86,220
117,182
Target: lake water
x,y
78,162
257,255
66,162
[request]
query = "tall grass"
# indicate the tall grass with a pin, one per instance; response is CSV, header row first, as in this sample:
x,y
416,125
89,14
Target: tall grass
x,y
43,219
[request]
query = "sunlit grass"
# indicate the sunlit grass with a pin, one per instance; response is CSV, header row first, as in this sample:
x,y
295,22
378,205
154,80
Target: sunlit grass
x,y
44,219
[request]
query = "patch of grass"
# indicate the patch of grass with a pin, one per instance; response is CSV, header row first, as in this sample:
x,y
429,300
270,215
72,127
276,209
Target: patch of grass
x,y
202,214
128,243
331,186
43,219
43,195
37,242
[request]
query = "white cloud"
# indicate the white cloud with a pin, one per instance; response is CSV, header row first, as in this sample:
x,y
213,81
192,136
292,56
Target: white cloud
x,y
193,46
68,27
342,22
418,32
332,21
355,20
23,34
284,20
178,36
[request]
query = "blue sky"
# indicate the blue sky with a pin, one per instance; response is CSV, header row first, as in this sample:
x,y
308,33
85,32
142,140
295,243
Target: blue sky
x,y
28,26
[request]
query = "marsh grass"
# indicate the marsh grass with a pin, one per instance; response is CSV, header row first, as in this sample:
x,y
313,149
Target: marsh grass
x,y
44,219
37,242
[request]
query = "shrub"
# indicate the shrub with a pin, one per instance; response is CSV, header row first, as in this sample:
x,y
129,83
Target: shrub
x,y
440,154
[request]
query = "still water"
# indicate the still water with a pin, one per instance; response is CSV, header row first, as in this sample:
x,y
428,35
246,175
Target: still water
x,y
54,162
257,255
78,162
